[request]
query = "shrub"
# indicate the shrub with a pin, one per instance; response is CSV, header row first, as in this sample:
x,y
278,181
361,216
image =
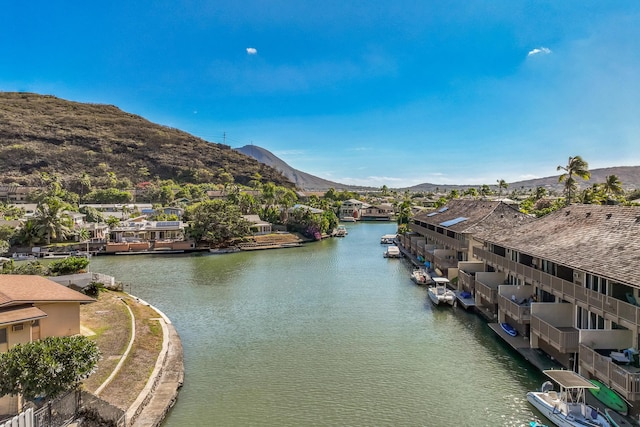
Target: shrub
x,y
68,265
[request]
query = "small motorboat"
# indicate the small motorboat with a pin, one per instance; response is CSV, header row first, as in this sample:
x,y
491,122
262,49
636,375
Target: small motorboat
x,y
508,329
567,407
421,277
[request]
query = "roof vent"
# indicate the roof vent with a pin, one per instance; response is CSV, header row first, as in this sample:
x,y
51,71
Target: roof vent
x,y
588,214
609,215
567,213
638,219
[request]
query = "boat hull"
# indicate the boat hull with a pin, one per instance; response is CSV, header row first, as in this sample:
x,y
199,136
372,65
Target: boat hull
x,y
609,397
615,419
560,418
448,298
508,329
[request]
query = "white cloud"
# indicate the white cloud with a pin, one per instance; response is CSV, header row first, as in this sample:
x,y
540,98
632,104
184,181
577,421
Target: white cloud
x,y
539,51
252,51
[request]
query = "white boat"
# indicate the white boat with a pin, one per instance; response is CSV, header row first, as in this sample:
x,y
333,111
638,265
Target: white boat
x,y
392,252
388,239
341,231
421,277
439,293
567,407
348,219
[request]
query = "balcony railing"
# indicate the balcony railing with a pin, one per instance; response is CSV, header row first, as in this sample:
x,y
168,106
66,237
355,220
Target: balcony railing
x,y
620,378
445,263
488,292
609,307
450,242
564,339
520,313
466,280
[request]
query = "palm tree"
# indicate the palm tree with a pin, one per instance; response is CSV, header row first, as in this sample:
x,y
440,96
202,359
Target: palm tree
x,y
575,166
612,186
501,184
50,219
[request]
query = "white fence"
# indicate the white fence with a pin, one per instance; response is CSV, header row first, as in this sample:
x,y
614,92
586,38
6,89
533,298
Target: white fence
x,y
25,419
82,280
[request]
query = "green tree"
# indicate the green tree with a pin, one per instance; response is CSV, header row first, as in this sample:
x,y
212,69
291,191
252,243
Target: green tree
x,y
51,221
404,212
69,265
47,367
612,187
216,222
576,166
109,195
502,184
91,214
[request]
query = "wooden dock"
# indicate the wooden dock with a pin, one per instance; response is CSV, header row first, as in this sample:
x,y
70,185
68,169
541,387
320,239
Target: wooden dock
x,y
466,302
521,344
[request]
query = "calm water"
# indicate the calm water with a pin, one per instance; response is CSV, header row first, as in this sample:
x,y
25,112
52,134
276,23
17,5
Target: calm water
x,y
330,334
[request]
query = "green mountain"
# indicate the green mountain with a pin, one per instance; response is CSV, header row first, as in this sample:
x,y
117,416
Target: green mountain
x,y
40,133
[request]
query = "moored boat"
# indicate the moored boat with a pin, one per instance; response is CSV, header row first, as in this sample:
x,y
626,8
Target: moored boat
x,y
392,252
567,407
388,239
421,277
340,231
616,419
508,329
439,293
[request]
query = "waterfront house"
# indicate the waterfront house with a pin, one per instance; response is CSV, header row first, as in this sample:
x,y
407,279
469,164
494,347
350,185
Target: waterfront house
x,y
16,193
258,226
379,212
445,237
31,308
579,267
351,208
139,234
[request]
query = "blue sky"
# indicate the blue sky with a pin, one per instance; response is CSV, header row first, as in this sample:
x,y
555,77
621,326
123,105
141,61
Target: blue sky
x,y
392,93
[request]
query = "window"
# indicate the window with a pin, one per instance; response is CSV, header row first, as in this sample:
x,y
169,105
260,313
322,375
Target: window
x,y
3,336
19,327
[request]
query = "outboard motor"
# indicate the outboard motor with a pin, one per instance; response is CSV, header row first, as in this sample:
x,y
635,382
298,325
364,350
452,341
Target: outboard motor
x,y
546,386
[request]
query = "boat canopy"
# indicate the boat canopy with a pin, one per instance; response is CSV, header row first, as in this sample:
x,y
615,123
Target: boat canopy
x,y
569,379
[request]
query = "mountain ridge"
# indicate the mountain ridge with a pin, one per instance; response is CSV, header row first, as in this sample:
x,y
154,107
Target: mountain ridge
x,y
43,133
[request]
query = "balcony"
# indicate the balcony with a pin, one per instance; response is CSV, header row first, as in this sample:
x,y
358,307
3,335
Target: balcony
x,y
563,339
624,379
518,312
444,263
449,242
608,307
487,291
466,281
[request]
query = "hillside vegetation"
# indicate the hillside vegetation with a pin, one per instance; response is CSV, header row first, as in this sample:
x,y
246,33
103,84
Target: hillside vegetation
x,y
40,133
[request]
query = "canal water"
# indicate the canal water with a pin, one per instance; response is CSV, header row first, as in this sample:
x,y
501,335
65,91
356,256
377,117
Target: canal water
x,y
328,334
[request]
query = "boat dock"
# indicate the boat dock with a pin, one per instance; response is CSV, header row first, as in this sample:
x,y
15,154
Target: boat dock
x,y
521,344
465,299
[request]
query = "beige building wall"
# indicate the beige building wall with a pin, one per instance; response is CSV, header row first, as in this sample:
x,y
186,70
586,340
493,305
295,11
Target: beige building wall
x,y
18,334
63,319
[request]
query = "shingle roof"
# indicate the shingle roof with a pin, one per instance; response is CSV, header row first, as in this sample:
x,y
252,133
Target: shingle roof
x,y
481,216
602,240
21,289
22,314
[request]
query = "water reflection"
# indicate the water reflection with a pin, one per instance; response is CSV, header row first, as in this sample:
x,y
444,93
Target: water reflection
x,y
330,333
